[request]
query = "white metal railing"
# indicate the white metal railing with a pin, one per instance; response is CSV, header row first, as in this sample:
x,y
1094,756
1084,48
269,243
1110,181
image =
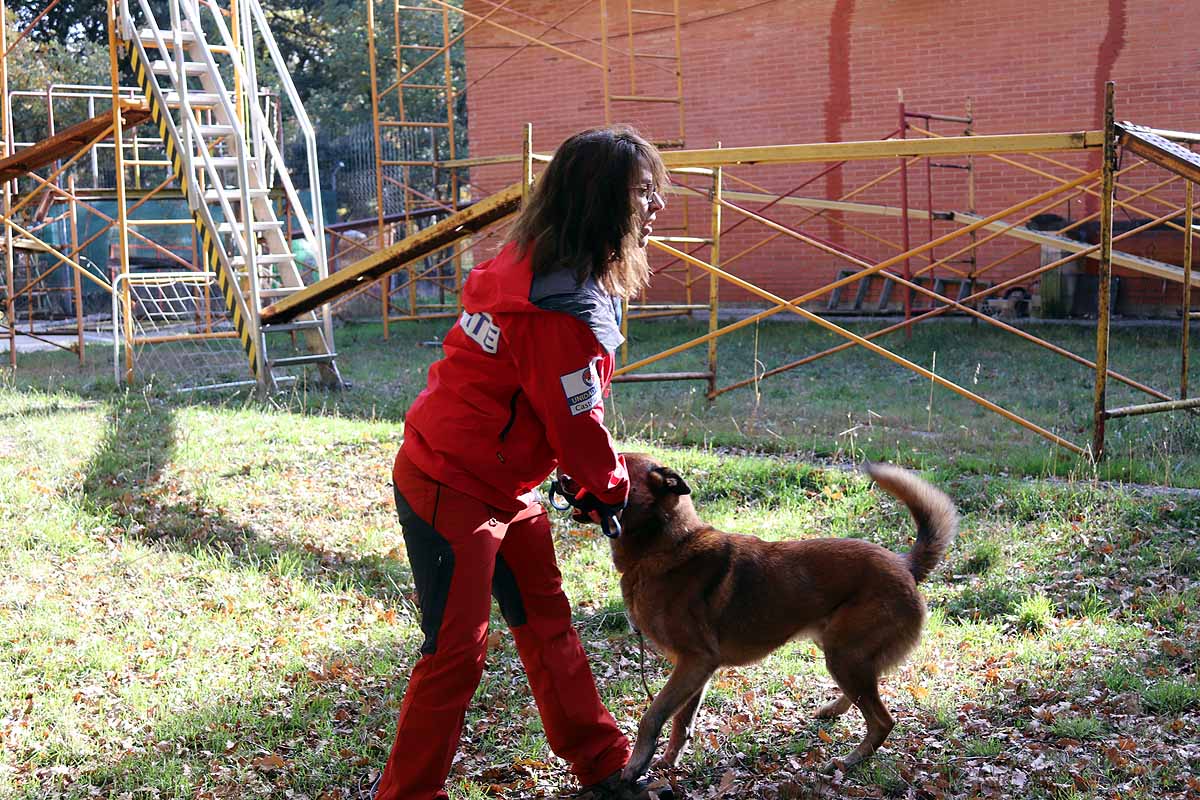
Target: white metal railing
x,y
311,229
259,124
173,313
310,137
244,244
57,93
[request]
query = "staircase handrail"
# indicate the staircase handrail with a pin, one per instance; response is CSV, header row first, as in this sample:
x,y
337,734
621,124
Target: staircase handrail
x,y
245,244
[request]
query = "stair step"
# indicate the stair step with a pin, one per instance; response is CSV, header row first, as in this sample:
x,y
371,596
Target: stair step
x,y
233,194
287,327
265,258
175,39
226,162
146,36
162,67
257,226
215,131
311,358
198,99
279,291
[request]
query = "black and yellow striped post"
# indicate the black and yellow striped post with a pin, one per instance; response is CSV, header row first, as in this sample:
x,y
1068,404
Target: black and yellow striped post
x,y
208,238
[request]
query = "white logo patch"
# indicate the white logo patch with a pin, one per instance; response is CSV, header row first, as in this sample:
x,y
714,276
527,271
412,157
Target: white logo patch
x,y
481,328
582,389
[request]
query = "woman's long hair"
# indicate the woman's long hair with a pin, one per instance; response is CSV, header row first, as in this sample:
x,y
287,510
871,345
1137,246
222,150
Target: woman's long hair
x,y
581,216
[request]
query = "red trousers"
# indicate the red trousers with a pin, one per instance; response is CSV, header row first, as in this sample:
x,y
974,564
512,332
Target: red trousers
x,y
463,551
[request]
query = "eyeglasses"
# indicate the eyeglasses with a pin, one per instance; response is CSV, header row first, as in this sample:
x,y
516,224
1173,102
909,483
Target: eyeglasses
x,y
647,192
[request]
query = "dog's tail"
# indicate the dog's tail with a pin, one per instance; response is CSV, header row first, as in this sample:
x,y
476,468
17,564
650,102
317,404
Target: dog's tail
x,y
931,509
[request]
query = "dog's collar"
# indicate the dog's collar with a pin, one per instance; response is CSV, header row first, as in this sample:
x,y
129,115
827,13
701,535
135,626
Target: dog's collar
x,y
587,502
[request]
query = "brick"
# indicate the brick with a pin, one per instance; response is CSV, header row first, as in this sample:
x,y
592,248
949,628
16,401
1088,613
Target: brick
x,y
762,75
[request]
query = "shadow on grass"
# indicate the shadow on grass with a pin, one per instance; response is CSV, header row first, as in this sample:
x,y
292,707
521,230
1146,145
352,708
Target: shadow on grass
x,y
326,735
125,476
51,409
320,734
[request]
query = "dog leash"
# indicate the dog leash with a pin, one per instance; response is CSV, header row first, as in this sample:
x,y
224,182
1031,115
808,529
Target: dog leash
x,y
642,662
587,502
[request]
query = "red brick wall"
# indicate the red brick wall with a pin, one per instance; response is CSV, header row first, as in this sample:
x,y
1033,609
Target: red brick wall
x,y
789,71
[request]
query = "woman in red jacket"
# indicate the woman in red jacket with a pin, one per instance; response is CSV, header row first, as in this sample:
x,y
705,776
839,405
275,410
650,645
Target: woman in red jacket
x,y
518,393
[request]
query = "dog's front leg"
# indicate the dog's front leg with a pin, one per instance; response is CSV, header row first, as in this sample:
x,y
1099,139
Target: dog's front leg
x,y
686,682
683,728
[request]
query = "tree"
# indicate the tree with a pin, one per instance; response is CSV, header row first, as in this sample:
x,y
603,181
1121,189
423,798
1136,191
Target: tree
x,y
35,64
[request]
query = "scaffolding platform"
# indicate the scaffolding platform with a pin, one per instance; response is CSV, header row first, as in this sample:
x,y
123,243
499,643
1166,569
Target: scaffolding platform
x,y
437,236
66,142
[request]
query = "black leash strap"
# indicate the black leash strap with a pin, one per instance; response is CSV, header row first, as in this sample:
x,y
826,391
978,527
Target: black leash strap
x,y
588,503
642,661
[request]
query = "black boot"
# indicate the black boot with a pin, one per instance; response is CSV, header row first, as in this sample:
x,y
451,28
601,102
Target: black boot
x,y
614,787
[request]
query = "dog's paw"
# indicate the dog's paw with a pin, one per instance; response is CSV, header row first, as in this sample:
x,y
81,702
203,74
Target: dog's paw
x,y
834,708
670,758
660,790
843,764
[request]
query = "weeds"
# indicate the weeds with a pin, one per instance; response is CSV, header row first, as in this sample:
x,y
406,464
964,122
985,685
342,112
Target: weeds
x,y
1172,696
209,597
1033,613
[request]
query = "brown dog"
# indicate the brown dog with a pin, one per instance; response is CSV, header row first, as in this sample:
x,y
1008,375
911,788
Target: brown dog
x,y
709,599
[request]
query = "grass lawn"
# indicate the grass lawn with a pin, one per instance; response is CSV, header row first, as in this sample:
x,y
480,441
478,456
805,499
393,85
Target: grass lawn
x,y
208,597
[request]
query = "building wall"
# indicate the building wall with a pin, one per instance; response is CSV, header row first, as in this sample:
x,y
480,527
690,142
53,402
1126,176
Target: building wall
x,y
793,71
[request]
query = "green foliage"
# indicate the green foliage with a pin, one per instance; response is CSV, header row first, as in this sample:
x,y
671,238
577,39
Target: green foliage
x,y
984,748
1082,727
1034,613
37,63
1172,696
1120,678
990,600
983,558
1093,606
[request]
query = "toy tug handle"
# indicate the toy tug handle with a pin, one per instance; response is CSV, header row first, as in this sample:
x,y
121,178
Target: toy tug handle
x,y
586,502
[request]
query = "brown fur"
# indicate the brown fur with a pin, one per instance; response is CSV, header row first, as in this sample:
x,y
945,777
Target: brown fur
x,y
709,599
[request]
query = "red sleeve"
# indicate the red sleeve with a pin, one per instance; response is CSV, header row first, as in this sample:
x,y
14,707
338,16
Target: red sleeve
x,y
563,372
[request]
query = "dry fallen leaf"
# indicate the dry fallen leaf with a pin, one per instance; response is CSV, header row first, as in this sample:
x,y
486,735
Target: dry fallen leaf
x,y
726,782
269,762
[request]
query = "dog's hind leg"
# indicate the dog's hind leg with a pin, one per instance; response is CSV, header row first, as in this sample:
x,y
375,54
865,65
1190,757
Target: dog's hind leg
x,y
683,728
860,683
686,682
834,708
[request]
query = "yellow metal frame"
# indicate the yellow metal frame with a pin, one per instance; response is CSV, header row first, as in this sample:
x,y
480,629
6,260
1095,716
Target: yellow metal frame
x,y
130,157
410,77
400,302
719,165
64,148
975,230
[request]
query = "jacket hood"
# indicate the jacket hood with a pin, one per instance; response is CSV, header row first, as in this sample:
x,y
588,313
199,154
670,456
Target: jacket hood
x,y
500,284
506,284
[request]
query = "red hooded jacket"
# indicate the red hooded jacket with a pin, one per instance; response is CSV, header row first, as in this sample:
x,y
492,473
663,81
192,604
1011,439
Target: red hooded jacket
x,y
520,388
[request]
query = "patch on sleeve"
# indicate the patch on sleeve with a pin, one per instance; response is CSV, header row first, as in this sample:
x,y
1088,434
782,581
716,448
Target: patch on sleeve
x,y
582,389
481,328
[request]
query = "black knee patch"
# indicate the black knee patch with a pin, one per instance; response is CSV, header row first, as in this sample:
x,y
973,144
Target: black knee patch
x,y
432,562
507,593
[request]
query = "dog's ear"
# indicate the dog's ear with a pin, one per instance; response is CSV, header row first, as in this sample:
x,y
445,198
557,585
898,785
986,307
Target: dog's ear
x,y
664,480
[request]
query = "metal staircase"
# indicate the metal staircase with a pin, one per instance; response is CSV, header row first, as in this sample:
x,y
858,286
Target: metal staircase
x,y
201,82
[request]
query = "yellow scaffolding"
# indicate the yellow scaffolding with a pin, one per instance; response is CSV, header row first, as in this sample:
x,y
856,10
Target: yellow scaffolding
x,y
422,67
971,233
